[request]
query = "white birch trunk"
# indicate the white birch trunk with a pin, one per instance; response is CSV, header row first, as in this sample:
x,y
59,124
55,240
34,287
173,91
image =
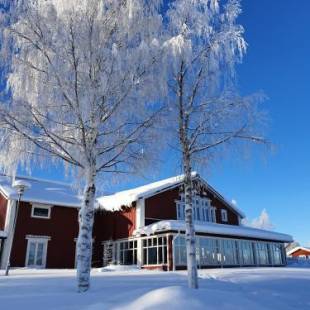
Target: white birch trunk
x,y
84,246
187,168
190,231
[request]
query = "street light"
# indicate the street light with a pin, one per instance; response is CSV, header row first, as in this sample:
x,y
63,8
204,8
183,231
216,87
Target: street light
x,y
20,186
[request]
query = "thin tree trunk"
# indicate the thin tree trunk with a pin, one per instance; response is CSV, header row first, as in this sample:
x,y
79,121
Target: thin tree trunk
x,y
190,231
187,168
84,245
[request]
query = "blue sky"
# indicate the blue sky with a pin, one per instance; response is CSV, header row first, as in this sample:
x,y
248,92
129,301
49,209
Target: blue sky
x,y
277,62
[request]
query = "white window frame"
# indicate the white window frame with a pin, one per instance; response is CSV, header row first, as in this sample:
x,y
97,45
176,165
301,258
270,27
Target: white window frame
x,y
224,215
41,206
37,239
201,206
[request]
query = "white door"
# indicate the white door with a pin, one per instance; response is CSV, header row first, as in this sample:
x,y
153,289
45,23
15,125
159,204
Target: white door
x,y
36,253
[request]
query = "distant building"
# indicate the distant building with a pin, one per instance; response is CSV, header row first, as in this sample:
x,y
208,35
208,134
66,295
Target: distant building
x,y
142,226
299,252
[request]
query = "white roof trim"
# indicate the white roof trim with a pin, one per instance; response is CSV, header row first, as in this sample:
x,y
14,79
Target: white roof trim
x,y
215,229
297,249
126,198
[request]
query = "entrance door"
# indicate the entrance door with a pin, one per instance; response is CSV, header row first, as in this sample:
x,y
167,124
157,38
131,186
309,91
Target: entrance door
x,y
36,253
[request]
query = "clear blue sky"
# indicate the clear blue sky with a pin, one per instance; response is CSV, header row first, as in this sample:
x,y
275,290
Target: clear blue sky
x,y
277,62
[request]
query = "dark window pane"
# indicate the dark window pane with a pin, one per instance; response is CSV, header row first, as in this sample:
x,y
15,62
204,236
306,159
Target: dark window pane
x,y
165,255
40,212
145,256
154,241
160,255
128,259
152,256
149,242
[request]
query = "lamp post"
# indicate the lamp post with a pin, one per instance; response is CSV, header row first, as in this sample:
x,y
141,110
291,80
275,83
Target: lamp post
x,y
20,186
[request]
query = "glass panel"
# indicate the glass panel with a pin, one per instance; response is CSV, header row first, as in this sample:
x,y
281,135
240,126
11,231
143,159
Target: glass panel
x,y
42,212
39,260
152,256
31,253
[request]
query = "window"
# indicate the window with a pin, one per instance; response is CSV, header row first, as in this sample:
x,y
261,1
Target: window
x,y
201,209
224,215
128,252
41,211
155,251
213,215
36,252
262,253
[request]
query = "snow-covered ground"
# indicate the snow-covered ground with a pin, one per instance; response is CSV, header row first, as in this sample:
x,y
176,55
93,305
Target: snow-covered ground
x,y
246,288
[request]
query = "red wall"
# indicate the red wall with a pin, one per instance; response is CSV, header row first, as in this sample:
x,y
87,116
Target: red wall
x,y
3,208
62,228
162,206
301,252
111,226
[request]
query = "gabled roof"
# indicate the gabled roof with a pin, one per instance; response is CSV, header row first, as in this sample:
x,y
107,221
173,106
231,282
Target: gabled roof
x,y
41,191
298,248
216,229
125,198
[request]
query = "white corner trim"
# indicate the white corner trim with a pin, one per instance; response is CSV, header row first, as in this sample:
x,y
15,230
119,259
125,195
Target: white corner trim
x,y
140,213
10,213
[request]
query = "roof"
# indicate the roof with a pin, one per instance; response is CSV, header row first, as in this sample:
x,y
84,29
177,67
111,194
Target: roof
x,y
125,198
41,191
214,228
298,248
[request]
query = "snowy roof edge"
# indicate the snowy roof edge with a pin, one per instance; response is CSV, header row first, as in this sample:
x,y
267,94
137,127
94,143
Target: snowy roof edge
x,y
125,198
298,248
217,229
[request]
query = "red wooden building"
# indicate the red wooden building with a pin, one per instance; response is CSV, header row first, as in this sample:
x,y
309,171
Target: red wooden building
x,y
299,252
142,226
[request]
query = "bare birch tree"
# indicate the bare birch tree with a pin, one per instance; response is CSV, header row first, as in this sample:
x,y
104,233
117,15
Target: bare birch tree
x,y
206,44
78,74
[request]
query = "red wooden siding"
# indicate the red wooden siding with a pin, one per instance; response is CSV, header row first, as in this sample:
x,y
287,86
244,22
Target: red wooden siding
x,y
111,226
62,228
3,209
162,206
301,252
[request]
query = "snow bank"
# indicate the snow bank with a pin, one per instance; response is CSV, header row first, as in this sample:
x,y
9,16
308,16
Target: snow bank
x,y
119,268
298,262
214,228
224,289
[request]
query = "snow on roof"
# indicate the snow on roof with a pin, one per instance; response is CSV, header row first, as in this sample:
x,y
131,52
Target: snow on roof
x,y
41,191
125,198
214,228
290,252
3,234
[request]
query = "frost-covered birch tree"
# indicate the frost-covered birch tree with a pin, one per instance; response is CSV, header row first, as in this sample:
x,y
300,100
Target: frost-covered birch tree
x,y
78,74
205,45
